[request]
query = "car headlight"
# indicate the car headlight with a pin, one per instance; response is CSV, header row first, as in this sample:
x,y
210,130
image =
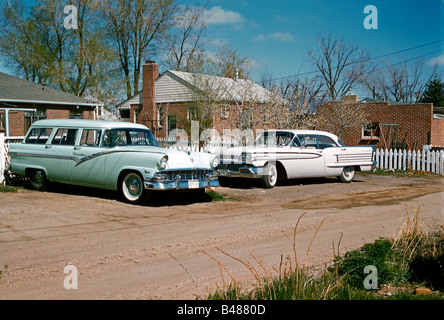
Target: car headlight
x,y
163,162
215,162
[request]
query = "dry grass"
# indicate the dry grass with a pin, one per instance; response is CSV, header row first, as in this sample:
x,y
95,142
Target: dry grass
x,y
293,280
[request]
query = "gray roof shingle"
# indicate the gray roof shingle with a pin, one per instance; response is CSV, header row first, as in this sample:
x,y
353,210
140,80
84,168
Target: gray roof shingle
x,y
13,89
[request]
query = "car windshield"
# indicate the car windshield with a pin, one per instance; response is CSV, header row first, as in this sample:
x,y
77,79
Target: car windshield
x,y
274,138
129,137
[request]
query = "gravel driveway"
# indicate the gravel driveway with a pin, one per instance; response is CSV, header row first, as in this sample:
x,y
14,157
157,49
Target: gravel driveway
x,y
164,250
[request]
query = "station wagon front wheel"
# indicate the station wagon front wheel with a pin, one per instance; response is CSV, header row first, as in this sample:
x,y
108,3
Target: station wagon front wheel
x,y
132,188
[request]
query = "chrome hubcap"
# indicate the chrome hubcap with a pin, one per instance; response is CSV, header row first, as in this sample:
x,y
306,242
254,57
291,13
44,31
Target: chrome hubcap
x,y
132,187
38,177
272,175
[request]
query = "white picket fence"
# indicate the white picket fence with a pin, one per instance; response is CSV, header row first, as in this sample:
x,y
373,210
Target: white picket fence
x,y
185,145
431,161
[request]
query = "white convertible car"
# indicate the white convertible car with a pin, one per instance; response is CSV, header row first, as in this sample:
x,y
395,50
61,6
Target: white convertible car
x,y
290,154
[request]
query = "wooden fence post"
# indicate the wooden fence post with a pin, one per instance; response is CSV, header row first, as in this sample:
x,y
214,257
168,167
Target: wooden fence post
x,y
441,162
2,157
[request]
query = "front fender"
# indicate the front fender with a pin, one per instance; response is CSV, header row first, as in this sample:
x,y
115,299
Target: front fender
x,y
112,179
260,163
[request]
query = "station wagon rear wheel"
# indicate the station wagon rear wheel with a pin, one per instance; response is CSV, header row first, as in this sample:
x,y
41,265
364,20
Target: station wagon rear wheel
x,y
347,175
271,175
132,188
37,179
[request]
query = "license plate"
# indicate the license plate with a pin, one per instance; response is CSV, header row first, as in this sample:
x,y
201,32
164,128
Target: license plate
x,y
193,184
223,172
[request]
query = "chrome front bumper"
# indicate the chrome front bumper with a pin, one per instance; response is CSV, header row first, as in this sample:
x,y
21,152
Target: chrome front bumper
x,y
241,172
182,180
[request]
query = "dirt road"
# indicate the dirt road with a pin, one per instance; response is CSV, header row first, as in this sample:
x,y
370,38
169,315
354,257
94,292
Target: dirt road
x,y
163,251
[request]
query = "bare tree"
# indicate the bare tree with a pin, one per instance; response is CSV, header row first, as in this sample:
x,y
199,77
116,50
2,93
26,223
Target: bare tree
x,y
186,40
134,28
400,82
341,66
228,62
338,116
243,105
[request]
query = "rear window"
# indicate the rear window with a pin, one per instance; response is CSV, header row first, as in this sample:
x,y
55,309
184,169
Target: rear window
x,y
65,137
91,137
38,136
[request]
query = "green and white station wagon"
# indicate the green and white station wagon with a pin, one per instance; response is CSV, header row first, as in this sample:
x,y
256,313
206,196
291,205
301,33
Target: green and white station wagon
x,y
108,155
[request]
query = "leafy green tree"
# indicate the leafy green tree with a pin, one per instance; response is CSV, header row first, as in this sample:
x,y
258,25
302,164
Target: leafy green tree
x,y
434,93
36,44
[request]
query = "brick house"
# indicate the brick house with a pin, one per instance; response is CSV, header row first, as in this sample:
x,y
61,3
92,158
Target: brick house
x,y
168,101
22,102
391,124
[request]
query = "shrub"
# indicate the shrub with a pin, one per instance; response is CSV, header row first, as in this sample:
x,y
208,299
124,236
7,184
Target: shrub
x,y
381,254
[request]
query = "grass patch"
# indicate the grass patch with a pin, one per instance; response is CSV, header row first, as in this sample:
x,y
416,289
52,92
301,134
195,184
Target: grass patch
x,y
8,188
398,172
413,258
216,196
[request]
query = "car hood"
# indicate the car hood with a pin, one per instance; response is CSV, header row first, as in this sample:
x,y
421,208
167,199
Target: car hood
x,y
179,159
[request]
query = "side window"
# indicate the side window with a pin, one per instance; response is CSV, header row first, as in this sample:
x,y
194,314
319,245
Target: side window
x,y
284,139
309,141
38,135
66,137
115,138
326,142
91,138
295,142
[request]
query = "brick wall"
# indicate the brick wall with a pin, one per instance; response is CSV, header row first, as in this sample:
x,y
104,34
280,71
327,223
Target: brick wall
x,y
180,110
437,138
57,114
16,123
414,122
17,119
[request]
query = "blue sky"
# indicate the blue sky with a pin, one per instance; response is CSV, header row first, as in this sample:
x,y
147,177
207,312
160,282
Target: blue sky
x,y
276,35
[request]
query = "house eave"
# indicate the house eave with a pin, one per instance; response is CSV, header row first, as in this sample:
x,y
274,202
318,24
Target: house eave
x,y
83,104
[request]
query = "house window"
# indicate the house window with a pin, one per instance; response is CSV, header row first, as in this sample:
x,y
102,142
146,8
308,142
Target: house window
x,y
76,114
371,131
171,122
224,111
193,113
2,120
31,117
124,113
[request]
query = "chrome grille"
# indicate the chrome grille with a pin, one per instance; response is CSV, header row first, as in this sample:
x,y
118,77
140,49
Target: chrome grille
x,y
197,174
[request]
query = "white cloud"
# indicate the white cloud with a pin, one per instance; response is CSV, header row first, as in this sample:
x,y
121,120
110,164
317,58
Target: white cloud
x,y
276,36
437,61
217,15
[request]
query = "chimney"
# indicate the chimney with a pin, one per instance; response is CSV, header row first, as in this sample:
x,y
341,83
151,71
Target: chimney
x,y
148,114
350,98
